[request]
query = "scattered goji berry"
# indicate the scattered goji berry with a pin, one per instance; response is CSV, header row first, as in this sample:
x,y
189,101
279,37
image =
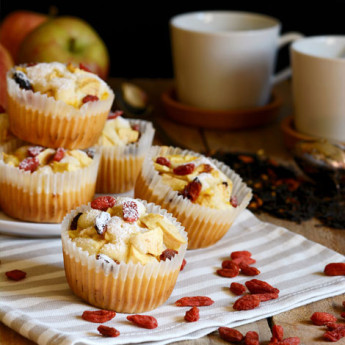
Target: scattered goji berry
x,y
251,338
277,332
237,288
192,190
103,203
249,270
98,316
230,334
194,301
184,169
290,341
335,269
163,161
15,275
267,296
335,335
34,151
230,264
228,272
59,154
342,314
192,314
168,254
109,332
244,260
144,321
29,164
260,286
90,98
333,325
184,263
321,318
247,302
233,201
240,253
130,211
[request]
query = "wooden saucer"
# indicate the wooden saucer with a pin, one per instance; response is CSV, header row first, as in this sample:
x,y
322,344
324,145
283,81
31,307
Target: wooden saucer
x,y
220,119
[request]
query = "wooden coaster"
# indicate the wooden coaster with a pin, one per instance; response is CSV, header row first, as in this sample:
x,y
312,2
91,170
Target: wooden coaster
x,y
220,119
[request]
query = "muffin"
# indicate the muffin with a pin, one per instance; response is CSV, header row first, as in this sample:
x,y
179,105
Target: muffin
x,y
8,141
41,184
122,254
57,105
203,194
123,145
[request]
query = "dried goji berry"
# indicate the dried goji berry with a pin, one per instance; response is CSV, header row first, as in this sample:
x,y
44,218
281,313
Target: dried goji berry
x,y
335,335
244,260
103,203
237,288
135,127
267,296
83,67
98,316
90,98
15,275
321,318
144,321
228,272
114,114
251,338
260,286
34,151
342,315
240,253
290,341
234,201
230,334
109,332
247,302
333,325
230,264
184,169
335,269
168,254
130,211
184,263
249,270
29,164
277,332
194,301
192,190
192,314
163,161
59,154
206,168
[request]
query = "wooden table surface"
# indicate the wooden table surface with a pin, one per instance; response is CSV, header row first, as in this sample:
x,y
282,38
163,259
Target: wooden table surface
x,y
268,138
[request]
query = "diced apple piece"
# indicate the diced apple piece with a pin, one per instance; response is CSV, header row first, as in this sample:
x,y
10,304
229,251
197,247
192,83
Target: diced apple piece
x,y
136,256
149,242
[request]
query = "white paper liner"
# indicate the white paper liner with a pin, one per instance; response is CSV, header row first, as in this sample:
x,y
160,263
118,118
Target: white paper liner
x,y
154,281
120,165
54,119
196,218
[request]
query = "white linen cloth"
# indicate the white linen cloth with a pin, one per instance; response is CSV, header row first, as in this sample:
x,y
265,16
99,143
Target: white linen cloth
x,y
42,307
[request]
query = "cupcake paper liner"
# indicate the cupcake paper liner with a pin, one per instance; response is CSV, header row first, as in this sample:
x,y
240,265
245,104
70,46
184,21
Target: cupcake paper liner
x,y
42,120
120,165
10,145
205,226
122,287
45,197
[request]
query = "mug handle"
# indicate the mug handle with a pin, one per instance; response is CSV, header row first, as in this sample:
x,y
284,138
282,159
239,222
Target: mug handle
x,y
283,40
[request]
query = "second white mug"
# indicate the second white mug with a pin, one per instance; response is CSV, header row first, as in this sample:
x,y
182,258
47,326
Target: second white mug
x,y
225,60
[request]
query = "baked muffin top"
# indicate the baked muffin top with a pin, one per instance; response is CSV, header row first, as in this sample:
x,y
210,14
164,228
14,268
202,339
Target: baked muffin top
x,y
5,133
118,131
46,160
197,179
65,82
120,229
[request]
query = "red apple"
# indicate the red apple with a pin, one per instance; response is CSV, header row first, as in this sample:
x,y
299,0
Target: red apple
x,y
66,39
15,28
6,62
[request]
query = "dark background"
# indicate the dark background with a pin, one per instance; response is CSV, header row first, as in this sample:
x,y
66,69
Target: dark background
x,y
137,34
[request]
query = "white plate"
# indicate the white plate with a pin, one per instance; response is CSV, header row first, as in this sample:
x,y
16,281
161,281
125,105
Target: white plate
x,y
13,226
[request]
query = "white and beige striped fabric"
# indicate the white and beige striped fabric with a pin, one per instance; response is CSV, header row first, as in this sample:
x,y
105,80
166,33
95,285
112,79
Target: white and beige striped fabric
x,y
42,308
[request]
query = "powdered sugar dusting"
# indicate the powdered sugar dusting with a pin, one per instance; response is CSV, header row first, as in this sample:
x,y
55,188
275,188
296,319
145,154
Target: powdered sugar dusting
x,y
101,222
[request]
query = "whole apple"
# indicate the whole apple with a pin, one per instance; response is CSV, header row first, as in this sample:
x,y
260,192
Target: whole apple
x,y
66,39
6,62
16,26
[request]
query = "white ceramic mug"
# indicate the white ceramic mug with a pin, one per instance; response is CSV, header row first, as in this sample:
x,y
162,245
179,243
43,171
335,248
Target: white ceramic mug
x,y
225,60
318,84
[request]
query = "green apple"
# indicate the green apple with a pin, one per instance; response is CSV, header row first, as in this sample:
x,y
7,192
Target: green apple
x,y
66,39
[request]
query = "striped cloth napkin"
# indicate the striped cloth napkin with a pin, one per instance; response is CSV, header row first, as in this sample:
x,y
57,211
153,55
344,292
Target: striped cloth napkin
x,y
42,308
